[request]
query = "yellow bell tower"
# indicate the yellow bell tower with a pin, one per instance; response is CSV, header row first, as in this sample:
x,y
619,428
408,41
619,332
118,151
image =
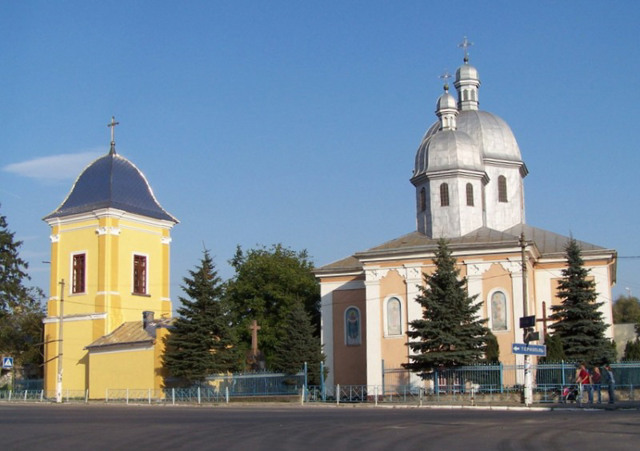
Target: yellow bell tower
x,y
110,242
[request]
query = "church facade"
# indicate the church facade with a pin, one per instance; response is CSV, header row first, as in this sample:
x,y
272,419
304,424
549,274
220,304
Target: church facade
x,y
110,245
469,189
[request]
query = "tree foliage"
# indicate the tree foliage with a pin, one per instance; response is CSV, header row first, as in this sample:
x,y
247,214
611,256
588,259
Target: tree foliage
x,y
492,352
267,285
626,309
21,307
202,342
298,344
555,351
13,271
577,320
450,333
632,351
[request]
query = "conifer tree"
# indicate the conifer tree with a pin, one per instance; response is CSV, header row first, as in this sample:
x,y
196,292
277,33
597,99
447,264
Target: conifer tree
x,y
298,345
577,320
201,342
13,271
21,307
450,332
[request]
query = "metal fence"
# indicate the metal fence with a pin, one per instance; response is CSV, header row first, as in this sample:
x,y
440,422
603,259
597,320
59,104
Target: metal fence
x,y
471,384
216,389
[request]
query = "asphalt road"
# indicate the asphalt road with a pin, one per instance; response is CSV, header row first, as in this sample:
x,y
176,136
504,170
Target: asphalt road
x,y
95,427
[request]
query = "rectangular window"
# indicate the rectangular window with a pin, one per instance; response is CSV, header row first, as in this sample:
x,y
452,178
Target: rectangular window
x,y
78,276
139,274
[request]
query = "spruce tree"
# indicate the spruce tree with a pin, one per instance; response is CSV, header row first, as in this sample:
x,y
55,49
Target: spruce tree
x,y
13,271
21,307
450,332
577,320
201,342
298,345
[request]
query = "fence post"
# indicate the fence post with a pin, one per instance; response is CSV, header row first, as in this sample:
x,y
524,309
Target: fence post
x,y
436,384
562,369
383,381
501,378
86,396
198,394
41,395
173,396
226,394
306,379
337,394
323,389
375,393
25,394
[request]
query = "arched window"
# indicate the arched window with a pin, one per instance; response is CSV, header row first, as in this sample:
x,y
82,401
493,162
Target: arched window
x,y
498,311
444,195
502,189
465,95
423,199
469,194
352,334
394,316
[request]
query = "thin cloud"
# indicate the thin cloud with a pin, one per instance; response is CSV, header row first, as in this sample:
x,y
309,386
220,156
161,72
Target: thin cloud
x,y
55,168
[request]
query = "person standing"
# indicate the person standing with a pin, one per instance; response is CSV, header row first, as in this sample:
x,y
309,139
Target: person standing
x,y
611,381
583,379
596,382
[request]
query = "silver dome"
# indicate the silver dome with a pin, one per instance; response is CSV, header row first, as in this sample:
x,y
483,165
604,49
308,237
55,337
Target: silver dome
x,y
467,72
492,136
446,102
447,150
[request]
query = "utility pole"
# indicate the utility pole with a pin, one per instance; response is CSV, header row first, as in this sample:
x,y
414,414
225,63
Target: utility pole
x,y
60,322
525,312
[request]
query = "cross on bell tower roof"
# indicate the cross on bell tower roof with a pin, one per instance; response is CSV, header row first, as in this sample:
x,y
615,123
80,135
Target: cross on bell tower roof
x,y
112,126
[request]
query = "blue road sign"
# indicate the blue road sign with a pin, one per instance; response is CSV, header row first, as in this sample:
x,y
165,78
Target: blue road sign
x,y
7,363
521,348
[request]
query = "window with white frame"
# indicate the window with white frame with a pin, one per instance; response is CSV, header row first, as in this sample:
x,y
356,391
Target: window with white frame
x,y
352,326
394,317
498,311
139,274
78,273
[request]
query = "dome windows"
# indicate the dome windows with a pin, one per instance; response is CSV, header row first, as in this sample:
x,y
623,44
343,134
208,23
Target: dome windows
x,y
469,195
502,189
423,199
444,195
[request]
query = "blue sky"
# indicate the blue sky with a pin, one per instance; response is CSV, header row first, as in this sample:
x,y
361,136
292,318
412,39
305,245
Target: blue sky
x,y
297,122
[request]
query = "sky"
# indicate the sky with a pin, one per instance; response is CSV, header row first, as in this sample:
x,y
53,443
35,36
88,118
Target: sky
x,y
297,122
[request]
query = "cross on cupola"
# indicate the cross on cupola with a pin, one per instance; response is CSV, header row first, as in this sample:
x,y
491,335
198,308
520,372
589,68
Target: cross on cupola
x,y
112,126
465,44
446,76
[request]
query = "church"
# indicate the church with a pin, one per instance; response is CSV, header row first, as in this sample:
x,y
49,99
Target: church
x,y
110,306
468,176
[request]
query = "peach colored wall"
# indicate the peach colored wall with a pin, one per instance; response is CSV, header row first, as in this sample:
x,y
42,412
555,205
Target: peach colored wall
x,y
350,361
394,349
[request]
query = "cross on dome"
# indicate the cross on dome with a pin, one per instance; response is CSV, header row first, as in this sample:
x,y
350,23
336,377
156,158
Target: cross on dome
x,y
465,44
112,126
446,76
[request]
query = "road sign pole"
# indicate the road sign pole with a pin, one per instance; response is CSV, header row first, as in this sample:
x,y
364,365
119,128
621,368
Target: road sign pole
x,y
525,310
61,319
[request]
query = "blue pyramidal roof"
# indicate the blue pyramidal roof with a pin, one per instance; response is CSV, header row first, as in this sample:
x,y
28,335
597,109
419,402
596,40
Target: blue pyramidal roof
x,y
111,181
